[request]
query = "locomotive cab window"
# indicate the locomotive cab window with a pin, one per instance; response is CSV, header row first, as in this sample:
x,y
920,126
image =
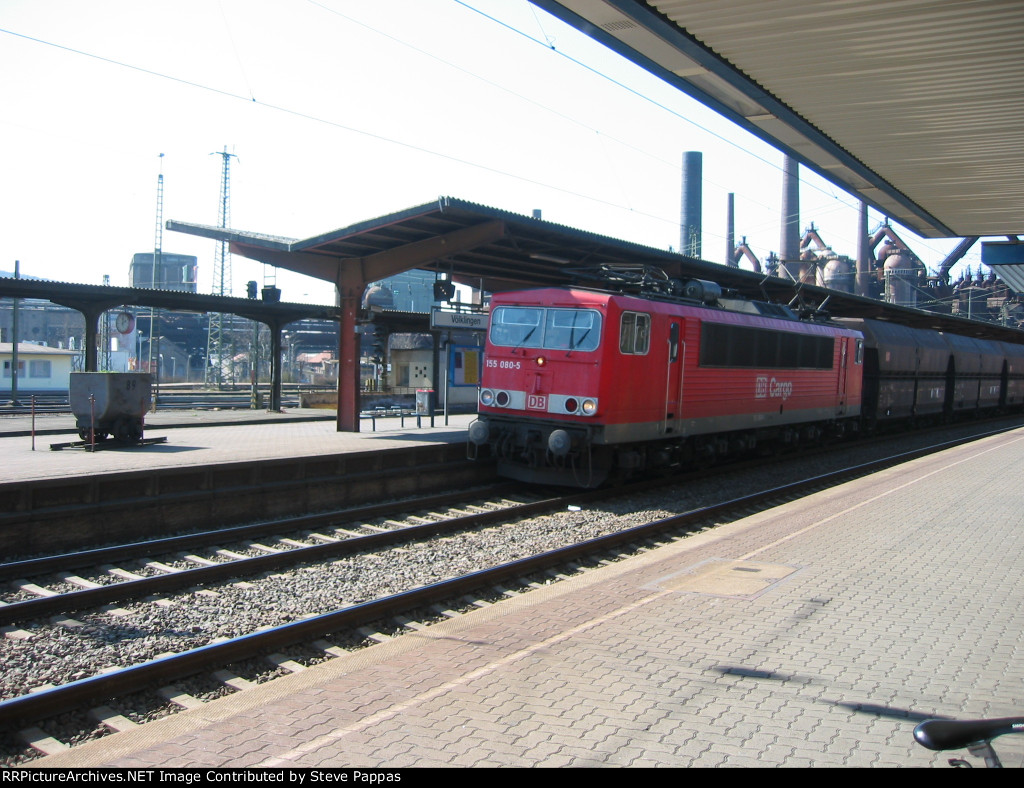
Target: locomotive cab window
x,y
572,329
517,326
552,329
635,333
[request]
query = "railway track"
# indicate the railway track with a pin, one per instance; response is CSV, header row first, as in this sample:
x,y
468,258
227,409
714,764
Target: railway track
x,y
351,531
322,633
79,513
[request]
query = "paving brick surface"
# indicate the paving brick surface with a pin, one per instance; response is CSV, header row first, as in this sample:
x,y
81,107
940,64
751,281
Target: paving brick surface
x,y
906,603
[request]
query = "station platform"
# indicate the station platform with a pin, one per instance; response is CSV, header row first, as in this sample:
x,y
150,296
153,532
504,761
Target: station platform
x,y
203,437
816,634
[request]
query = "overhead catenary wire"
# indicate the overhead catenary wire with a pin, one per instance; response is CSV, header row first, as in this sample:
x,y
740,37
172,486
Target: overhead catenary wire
x,y
318,119
622,203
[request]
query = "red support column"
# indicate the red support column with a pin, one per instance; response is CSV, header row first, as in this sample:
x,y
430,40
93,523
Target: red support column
x,y
348,362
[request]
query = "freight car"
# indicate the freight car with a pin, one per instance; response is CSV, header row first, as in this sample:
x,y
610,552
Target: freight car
x,y
585,383
919,376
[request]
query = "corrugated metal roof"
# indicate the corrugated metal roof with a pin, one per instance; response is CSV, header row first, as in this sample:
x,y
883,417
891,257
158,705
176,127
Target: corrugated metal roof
x,y
102,297
916,106
530,252
522,252
1012,274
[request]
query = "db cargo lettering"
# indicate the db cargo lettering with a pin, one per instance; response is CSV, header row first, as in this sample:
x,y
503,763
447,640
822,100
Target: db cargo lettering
x,y
765,388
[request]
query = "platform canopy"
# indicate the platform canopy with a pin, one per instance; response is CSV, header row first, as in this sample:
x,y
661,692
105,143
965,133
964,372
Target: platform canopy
x,y
495,250
915,106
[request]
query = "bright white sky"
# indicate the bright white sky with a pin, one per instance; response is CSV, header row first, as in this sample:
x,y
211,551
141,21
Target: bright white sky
x,y
340,111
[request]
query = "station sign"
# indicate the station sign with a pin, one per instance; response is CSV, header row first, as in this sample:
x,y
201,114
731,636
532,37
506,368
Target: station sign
x,y
1002,252
466,321
1006,259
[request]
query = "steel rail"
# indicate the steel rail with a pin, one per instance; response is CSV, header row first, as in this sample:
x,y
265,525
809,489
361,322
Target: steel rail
x,y
36,566
49,702
135,589
70,514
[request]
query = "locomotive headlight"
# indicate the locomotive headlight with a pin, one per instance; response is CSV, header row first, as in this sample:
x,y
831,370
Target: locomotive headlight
x,y
541,361
502,399
571,405
589,407
486,397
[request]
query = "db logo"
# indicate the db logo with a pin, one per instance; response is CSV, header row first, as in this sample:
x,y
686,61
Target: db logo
x,y
537,402
761,388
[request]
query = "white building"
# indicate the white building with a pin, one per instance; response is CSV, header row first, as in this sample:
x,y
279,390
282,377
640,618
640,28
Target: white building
x,y
40,368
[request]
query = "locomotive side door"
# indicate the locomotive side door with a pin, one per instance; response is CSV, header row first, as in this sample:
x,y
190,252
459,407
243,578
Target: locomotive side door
x,y
674,384
841,387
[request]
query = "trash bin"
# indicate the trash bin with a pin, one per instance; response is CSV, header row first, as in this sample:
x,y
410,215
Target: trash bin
x,y
424,402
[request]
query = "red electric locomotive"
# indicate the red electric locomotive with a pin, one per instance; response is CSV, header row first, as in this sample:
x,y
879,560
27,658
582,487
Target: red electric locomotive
x,y
580,384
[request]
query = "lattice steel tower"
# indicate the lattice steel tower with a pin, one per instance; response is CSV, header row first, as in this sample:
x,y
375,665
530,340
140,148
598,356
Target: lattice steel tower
x,y
217,367
154,316
158,238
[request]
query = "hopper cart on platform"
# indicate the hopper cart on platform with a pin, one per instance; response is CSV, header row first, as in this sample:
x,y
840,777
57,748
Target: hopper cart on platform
x,y
110,403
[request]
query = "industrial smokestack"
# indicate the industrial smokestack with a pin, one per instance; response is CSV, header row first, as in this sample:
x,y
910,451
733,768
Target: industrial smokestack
x,y
863,252
690,226
789,247
730,231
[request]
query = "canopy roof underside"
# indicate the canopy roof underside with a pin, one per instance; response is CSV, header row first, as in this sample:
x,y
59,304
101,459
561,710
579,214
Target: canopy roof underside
x,y
915,106
496,250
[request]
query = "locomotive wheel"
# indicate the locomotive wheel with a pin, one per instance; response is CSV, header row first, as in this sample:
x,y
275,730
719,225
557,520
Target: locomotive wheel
x,y
85,435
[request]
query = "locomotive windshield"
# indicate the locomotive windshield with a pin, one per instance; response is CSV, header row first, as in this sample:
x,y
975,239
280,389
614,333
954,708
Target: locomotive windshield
x,y
552,329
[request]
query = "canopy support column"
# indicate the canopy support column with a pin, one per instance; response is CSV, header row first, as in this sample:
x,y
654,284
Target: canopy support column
x,y
92,319
276,328
349,294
